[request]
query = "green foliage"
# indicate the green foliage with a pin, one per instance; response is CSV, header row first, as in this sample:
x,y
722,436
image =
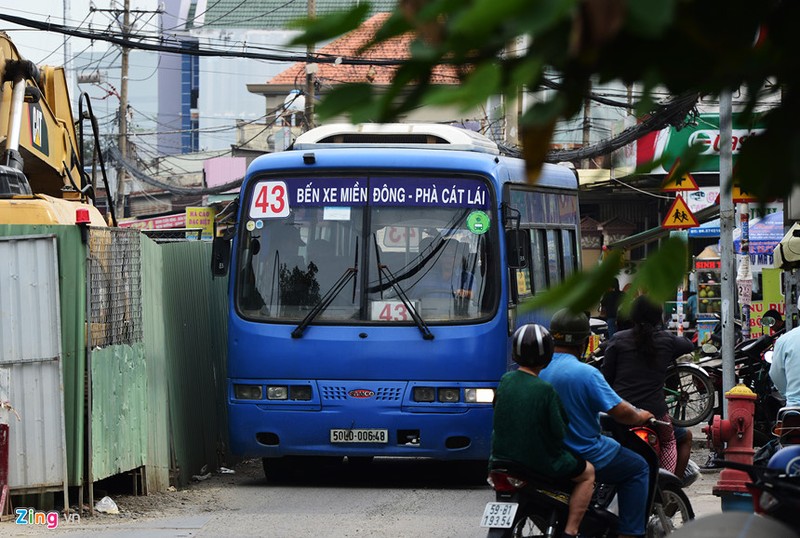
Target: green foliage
x,y
659,273
704,46
330,26
650,18
581,291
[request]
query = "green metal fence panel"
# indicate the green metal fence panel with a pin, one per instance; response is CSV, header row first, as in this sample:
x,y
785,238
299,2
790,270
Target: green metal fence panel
x,y
119,409
158,454
195,317
72,296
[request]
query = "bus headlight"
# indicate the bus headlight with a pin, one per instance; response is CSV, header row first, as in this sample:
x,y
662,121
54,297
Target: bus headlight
x,y
277,392
300,392
424,394
479,395
449,395
247,392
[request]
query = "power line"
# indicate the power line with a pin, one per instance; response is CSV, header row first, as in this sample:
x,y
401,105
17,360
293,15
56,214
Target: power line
x,y
111,37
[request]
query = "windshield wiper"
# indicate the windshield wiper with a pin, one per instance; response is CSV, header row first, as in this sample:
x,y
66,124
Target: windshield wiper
x,y
423,327
325,301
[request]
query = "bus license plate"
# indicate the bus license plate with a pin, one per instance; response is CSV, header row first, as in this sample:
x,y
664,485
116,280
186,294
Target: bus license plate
x,y
499,515
359,436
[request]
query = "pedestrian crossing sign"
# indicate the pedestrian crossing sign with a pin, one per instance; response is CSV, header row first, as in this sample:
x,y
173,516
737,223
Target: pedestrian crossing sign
x,y
679,216
675,183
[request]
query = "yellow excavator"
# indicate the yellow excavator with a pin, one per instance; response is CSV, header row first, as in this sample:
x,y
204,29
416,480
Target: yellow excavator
x,y
42,180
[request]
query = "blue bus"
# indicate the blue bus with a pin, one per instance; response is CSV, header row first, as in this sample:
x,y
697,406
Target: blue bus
x,y
375,275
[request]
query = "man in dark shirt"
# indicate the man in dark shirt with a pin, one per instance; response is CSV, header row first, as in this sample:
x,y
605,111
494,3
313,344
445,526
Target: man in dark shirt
x,y
609,304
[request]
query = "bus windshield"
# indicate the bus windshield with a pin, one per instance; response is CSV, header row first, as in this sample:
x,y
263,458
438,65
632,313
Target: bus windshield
x,y
373,250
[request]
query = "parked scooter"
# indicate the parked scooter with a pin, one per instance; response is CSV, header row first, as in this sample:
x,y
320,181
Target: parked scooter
x,y
527,504
751,367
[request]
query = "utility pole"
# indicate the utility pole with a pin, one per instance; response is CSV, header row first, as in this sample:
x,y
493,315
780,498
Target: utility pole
x,y
587,125
311,69
122,139
69,72
119,200
726,224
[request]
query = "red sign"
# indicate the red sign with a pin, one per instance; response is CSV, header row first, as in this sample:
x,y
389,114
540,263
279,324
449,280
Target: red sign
x,y
156,223
707,264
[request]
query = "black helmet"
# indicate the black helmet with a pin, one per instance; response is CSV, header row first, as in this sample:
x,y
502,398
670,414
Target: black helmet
x,y
570,328
532,346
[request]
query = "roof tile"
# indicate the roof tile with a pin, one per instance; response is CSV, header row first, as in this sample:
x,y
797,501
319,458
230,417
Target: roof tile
x,y
349,45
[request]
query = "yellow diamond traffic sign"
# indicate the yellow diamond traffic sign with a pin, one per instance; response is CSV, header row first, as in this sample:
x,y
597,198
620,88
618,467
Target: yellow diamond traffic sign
x,y
742,197
679,216
675,183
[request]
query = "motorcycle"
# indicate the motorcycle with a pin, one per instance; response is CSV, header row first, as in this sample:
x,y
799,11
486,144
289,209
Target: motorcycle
x,y
527,504
775,492
776,507
751,367
787,427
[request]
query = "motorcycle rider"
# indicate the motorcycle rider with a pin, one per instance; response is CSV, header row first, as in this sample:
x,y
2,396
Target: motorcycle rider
x,y
530,422
585,393
635,365
785,368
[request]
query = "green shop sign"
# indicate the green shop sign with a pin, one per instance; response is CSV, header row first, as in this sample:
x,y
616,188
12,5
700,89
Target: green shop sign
x,y
671,143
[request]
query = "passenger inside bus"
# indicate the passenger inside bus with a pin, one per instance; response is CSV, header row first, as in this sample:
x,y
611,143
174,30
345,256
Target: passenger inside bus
x,y
450,276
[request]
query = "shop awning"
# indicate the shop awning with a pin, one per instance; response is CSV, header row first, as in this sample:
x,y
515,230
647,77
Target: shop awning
x,y
654,234
706,229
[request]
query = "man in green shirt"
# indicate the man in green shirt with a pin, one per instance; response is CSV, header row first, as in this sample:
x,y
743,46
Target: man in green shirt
x,y
530,422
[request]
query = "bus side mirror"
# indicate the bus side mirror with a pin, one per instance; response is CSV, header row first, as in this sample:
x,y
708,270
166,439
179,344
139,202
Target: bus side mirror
x,y
220,256
518,246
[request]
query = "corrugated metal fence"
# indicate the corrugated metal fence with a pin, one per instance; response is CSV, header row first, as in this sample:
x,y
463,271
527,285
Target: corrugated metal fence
x,y
157,333
30,364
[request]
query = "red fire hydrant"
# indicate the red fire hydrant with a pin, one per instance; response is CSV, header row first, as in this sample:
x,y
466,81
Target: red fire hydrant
x,y
733,438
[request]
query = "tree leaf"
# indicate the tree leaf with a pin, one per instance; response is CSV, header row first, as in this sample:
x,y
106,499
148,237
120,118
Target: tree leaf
x,y
660,274
582,290
650,18
345,99
330,26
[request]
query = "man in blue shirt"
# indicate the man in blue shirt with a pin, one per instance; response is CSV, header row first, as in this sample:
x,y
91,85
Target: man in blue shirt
x,y
785,367
585,393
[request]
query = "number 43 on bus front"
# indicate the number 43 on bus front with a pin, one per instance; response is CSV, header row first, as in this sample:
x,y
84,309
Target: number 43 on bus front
x,y
270,200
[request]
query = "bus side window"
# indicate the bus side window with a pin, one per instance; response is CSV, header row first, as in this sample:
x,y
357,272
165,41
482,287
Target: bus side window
x,y
570,255
553,257
537,265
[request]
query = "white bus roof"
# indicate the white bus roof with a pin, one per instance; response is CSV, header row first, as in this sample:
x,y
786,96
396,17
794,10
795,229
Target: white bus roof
x,y
395,135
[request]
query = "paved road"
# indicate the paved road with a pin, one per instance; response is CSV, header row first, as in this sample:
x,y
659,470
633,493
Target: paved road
x,y
397,498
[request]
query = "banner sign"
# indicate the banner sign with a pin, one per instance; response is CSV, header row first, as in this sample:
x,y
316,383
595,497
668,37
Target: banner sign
x,y
276,198
703,131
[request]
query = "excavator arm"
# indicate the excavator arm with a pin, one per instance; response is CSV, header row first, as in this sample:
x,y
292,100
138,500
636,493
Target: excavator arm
x,y
39,138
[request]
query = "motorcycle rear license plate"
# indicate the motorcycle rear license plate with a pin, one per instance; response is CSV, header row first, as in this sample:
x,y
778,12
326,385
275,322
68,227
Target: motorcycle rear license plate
x,y
359,436
499,515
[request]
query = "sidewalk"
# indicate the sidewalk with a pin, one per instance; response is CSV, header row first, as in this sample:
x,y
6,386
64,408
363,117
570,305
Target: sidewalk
x,y
703,501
